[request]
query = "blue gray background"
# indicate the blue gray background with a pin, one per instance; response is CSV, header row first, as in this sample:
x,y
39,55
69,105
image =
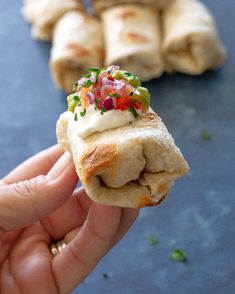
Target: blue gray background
x,y
198,215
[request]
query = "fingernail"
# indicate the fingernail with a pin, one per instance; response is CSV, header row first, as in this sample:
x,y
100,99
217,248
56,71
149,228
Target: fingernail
x,y
59,166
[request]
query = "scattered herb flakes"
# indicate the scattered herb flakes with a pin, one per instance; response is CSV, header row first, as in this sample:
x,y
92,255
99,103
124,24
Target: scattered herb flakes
x,y
178,255
92,69
133,111
102,110
206,136
75,116
105,276
87,84
75,86
76,98
128,74
152,240
115,95
87,76
83,113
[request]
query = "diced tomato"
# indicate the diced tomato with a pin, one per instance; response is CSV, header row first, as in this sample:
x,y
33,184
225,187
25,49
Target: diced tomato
x,y
84,97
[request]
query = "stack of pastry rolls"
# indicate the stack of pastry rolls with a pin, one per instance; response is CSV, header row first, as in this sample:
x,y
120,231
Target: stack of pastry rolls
x,y
147,37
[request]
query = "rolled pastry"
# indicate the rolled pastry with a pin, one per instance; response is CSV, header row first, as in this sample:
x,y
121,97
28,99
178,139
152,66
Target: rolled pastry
x,y
121,159
191,43
77,45
100,5
43,14
133,40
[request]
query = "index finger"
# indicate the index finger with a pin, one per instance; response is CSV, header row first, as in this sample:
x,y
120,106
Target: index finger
x,y
39,164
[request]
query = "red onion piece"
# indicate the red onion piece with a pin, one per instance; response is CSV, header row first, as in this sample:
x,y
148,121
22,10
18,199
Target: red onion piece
x,y
108,103
91,97
112,67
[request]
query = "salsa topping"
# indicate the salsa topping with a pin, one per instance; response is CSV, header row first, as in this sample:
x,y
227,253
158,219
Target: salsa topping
x,y
109,89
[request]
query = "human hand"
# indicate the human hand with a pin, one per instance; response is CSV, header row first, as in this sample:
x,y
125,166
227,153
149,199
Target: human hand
x,y
36,211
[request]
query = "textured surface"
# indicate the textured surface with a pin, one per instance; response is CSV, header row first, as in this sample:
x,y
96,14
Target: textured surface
x,y
198,216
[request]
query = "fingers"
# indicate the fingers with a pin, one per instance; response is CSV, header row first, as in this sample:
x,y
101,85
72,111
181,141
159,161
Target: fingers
x,y
69,216
39,164
128,217
27,202
79,258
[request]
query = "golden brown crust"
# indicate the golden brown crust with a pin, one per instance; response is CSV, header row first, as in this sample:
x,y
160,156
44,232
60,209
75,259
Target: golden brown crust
x,y
135,37
146,201
77,50
96,159
126,14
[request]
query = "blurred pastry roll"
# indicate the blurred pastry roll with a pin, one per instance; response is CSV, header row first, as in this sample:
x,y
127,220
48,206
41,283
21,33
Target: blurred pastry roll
x,y
100,5
191,43
77,45
132,36
43,14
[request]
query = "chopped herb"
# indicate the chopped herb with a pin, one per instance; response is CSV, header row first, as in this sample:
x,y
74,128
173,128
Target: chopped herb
x,y
87,76
83,113
178,255
128,74
76,98
102,110
152,240
75,116
75,86
206,136
96,71
115,95
87,84
97,101
105,276
92,69
133,111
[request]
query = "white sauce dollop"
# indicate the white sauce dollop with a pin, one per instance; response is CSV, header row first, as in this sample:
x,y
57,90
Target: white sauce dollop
x,y
94,121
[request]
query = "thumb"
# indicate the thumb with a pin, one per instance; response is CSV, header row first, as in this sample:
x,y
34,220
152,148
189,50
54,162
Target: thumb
x,y
27,202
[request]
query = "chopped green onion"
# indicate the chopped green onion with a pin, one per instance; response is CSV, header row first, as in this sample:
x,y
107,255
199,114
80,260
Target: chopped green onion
x,y
152,240
87,84
75,86
76,98
206,136
92,69
115,95
128,74
105,276
75,116
102,110
83,113
178,255
133,111
87,76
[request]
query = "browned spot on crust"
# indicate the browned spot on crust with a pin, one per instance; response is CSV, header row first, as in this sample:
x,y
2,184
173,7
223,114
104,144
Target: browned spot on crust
x,y
126,14
149,201
136,38
78,50
163,187
145,201
97,159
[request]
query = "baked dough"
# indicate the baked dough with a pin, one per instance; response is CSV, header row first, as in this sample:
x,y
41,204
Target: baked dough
x,y
191,43
43,14
77,45
131,166
132,36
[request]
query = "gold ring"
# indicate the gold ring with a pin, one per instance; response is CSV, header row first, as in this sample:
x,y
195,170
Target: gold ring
x,y
57,247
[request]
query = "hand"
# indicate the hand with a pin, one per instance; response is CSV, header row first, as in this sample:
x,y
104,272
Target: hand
x,y
37,212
